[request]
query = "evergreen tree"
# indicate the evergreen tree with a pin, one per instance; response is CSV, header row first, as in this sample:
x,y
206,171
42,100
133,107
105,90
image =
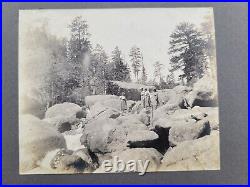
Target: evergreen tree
x,y
170,81
144,75
78,46
119,69
98,69
136,59
187,48
157,70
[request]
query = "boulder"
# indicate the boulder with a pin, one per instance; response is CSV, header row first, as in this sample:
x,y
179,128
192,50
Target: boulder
x,y
145,116
143,154
129,119
63,116
29,105
199,154
130,105
180,133
131,123
142,138
103,136
93,99
204,93
212,115
73,141
136,109
99,111
168,122
63,161
130,127
88,157
164,110
36,138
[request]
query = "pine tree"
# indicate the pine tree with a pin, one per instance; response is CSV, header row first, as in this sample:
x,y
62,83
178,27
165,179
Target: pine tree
x,y
187,49
119,69
170,81
78,46
98,69
136,59
157,70
207,28
144,75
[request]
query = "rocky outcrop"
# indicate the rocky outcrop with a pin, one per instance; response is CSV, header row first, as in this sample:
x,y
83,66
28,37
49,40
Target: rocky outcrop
x,y
64,161
88,157
142,138
143,155
111,100
36,139
29,105
199,154
204,93
103,136
100,111
63,116
180,133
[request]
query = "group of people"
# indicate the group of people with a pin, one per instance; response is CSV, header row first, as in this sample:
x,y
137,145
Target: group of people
x,y
148,99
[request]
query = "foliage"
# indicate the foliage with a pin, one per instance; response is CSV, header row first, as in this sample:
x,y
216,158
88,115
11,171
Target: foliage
x,y
157,70
187,50
119,69
136,59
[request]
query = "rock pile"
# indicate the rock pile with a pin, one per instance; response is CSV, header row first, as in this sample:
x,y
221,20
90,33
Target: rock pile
x,y
179,135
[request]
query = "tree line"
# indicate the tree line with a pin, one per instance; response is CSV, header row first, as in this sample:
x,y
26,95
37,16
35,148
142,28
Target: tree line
x,y
77,68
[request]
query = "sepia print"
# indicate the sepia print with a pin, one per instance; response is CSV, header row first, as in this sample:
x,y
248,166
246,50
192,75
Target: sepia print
x,y
117,90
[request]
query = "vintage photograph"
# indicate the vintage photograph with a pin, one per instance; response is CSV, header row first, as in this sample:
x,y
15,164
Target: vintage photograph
x,y
117,90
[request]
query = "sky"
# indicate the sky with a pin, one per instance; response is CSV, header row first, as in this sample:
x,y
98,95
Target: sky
x,y
148,29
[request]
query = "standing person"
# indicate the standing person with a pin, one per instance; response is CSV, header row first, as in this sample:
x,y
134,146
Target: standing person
x,y
147,98
142,98
123,102
155,99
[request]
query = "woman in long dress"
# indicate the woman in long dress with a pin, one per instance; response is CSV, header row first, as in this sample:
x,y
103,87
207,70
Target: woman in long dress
x,y
123,102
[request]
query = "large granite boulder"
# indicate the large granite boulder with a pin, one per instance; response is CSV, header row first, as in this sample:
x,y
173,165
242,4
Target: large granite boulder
x,y
36,138
199,154
29,105
204,93
142,156
110,100
103,136
180,133
100,111
63,116
142,138
64,161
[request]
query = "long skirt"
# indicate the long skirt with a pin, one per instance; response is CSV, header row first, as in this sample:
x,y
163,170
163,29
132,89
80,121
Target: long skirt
x,y
123,105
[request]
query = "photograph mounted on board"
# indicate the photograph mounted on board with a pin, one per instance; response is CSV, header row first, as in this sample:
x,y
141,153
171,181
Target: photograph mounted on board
x,y
117,90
